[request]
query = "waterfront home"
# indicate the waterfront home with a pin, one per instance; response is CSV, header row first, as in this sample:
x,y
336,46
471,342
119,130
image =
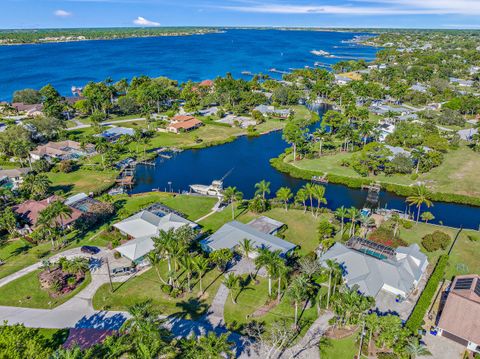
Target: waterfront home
x,y
12,178
81,201
460,315
142,227
397,151
238,121
385,109
342,80
183,123
63,150
377,270
232,234
29,212
271,111
461,82
114,133
208,85
267,225
28,110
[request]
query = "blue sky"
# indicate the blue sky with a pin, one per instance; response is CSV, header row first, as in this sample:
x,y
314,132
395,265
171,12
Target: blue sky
x,y
321,13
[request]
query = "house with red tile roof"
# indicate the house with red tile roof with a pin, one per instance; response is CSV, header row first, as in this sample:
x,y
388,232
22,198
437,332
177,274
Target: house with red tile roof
x,y
30,210
183,123
460,315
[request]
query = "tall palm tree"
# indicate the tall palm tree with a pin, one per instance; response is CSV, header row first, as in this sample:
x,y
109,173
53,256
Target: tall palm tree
x,y
334,271
418,154
301,197
309,188
269,260
281,271
319,195
232,282
214,346
102,147
188,265
396,219
353,214
61,212
232,195
246,247
154,260
284,194
262,188
298,292
419,198
415,349
201,266
163,244
341,213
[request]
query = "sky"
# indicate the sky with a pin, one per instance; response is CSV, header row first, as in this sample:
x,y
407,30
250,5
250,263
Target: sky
x,y
439,14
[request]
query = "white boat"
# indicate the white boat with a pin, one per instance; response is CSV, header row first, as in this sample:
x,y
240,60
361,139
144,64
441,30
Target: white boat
x,y
320,52
215,189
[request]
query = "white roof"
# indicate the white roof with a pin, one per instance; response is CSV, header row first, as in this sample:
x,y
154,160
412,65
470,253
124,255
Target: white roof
x,y
136,248
75,198
372,274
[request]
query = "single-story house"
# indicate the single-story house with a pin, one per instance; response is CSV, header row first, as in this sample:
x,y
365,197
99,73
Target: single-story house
x,y
385,109
29,110
271,111
266,225
232,234
206,84
114,133
30,210
63,150
184,123
419,88
142,227
13,178
467,134
385,129
209,111
375,268
241,121
460,315
342,80
397,151
461,82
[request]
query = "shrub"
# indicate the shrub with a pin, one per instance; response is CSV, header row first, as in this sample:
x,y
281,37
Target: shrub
x,y
435,241
407,224
167,289
415,320
386,355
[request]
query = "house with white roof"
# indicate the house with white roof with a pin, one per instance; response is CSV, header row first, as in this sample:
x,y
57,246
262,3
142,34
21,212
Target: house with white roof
x,y
232,234
142,227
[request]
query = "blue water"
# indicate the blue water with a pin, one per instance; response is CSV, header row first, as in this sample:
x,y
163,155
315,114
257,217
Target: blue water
x,y
181,58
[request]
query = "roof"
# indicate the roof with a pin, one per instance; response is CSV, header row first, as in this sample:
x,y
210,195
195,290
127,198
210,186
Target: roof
x,y
206,83
136,248
461,312
233,233
466,134
186,125
266,224
30,211
57,148
183,118
13,173
75,198
118,131
86,337
371,274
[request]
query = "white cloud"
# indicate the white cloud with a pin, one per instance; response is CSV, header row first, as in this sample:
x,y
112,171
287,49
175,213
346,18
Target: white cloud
x,y
62,13
144,22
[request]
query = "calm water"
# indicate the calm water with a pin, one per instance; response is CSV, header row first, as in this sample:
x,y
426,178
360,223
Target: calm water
x,y
182,58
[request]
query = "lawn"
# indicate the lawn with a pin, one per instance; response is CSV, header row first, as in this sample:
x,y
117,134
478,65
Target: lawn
x,y
340,348
459,173
82,181
18,254
26,292
147,286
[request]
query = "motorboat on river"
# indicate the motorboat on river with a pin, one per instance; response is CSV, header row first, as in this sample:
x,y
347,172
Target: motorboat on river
x,y
214,189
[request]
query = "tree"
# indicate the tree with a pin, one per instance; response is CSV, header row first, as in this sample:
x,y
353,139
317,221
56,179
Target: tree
x,y
262,188
211,346
294,135
8,221
246,247
60,212
18,342
163,244
53,105
201,266
284,194
232,195
396,219
154,260
27,96
341,213
269,260
353,214
427,216
232,282
298,292
415,349
188,264
334,271
419,197
301,197
35,186
221,258
318,192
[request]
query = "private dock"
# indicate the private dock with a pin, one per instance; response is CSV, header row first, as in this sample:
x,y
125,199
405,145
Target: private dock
x,y
279,71
319,179
373,192
126,178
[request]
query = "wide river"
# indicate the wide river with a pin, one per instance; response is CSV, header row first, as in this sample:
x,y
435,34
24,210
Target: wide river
x,y
197,58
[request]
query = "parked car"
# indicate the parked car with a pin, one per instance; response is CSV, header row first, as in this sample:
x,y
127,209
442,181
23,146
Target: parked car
x,y
90,249
117,272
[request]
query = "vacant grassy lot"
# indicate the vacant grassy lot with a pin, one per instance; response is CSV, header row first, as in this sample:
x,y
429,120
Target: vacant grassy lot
x,y
82,181
459,173
26,292
148,286
18,254
340,348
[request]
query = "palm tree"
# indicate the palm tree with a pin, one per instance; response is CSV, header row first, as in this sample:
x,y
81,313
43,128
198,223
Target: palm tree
x,y
213,346
269,260
341,213
319,193
418,154
262,188
334,271
232,282
353,214
419,198
301,197
309,188
298,292
61,211
154,260
163,245
201,266
102,147
246,247
415,349
396,219
281,271
232,195
284,194
188,265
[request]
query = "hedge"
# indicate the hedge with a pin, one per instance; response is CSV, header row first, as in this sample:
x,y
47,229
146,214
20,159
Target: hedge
x,y
415,320
352,182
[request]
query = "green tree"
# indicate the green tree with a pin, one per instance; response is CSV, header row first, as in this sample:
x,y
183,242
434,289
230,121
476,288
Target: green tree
x,y
27,96
8,221
419,198
232,195
427,216
18,342
297,292
262,188
294,135
53,105
301,197
268,260
415,349
341,213
201,266
232,282
221,258
284,194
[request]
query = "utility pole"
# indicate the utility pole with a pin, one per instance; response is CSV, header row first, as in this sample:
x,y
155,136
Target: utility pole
x,y
109,275
361,339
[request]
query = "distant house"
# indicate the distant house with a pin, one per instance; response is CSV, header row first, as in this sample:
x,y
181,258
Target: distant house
x,y
241,121
114,133
342,80
461,82
460,316
385,109
12,178
183,123
63,150
385,129
142,227
271,111
375,268
468,133
419,88
29,212
396,150
81,201
29,110
205,84
232,234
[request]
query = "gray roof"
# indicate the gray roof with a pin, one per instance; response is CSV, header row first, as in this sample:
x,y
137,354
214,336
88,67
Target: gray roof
x,y
467,134
233,233
266,224
372,274
13,173
118,131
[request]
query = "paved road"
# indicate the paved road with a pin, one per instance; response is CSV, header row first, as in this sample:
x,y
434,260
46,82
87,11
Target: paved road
x,y
80,125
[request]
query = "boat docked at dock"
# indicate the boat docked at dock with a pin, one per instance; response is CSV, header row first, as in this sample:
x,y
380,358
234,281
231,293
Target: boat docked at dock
x,y
214,189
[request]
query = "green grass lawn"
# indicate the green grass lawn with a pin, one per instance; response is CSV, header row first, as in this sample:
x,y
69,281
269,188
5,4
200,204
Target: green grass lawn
x,y
340,348
147,286
18,254
459,173
26,292
81,181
